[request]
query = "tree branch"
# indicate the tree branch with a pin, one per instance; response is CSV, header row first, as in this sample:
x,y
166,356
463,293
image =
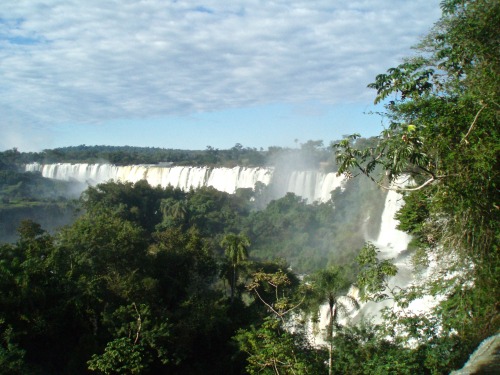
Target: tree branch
x,y
464,139
429,181
294,307
269,306
139,324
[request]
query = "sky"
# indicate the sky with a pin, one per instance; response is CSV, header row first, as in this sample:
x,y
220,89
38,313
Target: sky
x,y
191,74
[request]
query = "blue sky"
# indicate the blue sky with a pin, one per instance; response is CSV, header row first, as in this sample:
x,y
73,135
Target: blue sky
x,y
188,74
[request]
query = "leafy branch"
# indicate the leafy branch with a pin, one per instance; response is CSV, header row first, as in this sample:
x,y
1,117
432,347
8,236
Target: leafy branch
x,y
374,274
277,283
398,159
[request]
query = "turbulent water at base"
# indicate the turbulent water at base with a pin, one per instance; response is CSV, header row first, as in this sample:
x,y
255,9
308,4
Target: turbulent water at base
x,y
392,244
310,185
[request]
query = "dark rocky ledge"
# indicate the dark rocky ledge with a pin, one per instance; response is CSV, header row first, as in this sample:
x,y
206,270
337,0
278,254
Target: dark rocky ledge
x,y
485,360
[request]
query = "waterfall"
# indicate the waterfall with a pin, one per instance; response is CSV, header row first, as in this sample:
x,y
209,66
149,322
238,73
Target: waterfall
x,y
391,241
310,185
393,244
313,185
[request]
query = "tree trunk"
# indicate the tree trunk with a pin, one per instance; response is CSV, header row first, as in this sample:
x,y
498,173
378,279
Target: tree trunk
x,y
233,286
330,339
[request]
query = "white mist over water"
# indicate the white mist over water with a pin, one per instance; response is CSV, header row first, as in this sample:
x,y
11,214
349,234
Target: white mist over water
x,y
310,185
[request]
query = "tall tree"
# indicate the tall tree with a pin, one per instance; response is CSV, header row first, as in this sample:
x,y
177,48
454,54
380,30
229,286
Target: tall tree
x,y
279,345
174,211
236,250
330,287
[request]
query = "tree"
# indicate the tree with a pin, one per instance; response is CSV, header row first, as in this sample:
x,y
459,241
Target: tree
x,y
330,286
138,202
183,263
174,211
373,276
236,250
279,345
103,244
273,350
11,356
279,291
140,339
38,304
442,133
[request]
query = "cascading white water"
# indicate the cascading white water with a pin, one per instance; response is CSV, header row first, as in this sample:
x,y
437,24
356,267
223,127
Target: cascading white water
x,y
313,185
310,185
391,241
393,244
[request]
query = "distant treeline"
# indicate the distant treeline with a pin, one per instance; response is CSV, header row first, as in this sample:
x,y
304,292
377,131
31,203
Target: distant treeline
x,y
310,154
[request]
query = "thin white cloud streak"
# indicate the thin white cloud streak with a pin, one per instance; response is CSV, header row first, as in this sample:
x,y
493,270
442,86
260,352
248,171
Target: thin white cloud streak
x,y
90,61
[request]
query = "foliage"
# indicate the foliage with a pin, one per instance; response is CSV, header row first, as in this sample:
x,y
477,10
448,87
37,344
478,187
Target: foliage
x,y
273,350
138,278
279,291
121,356
16,187
236,250
11,356
133,353
130,306
309,155
442,116
444,132
30,196
137,202
126,155
310,236
50,215
236,247
374,274
363,349
279,344
36,301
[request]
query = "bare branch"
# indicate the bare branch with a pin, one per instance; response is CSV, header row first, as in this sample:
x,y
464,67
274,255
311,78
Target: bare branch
x,y
139,324
429,181
464,139
294,307
269,306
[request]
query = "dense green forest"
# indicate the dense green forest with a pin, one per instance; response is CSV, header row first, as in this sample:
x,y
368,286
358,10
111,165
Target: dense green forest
x,y
152,280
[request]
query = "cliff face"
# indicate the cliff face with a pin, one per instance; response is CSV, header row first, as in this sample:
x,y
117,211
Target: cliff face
x,y
485,360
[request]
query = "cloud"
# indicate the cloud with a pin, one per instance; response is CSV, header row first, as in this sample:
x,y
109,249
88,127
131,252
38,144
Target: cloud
x,y
91,61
